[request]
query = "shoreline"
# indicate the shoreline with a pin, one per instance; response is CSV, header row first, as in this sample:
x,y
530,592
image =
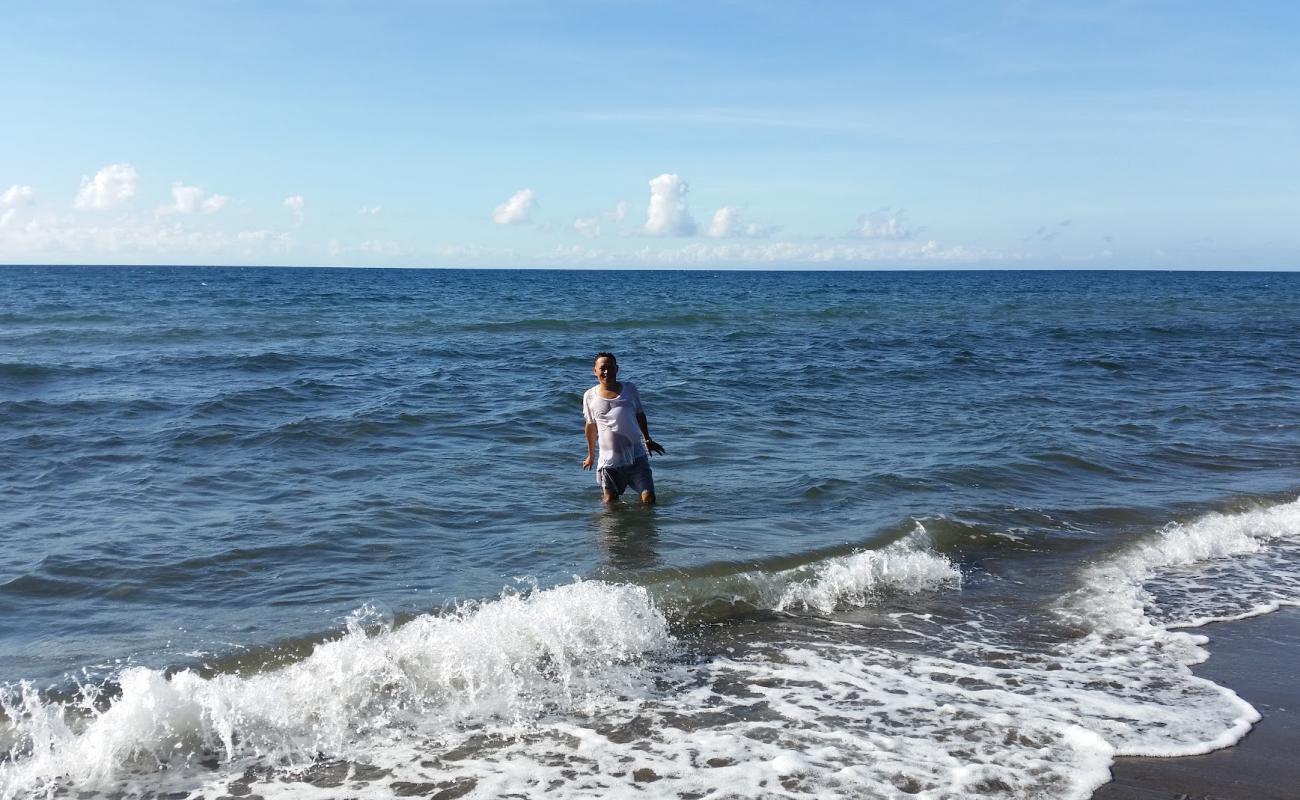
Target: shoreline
x,y
1254,657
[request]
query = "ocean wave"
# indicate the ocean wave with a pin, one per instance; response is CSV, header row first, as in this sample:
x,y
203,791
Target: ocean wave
x,y
1116,594
507,661
821,584
990,717
522,326
27,372
567,691
859,579
554,325
1131,644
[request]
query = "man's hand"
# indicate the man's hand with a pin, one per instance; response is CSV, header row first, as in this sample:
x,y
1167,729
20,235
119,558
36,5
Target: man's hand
x,y
586,462
654,447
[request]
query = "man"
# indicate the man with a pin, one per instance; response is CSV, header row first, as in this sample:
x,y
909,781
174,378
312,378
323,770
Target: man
x,y
616,419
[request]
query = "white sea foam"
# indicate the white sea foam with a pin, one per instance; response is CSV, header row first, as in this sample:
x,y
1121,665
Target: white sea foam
x,y
1114,595
905,567
551,694
504,662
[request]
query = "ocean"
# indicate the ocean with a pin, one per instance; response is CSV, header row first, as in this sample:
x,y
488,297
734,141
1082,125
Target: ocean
x,y
323,533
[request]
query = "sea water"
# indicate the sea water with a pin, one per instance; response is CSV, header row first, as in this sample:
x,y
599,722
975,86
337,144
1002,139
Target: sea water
x,y
322,533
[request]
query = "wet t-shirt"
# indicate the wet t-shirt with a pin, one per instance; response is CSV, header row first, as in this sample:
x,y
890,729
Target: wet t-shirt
x,y
618,434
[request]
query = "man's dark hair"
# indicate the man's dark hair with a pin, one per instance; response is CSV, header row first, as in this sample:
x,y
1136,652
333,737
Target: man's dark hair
x,y
605,354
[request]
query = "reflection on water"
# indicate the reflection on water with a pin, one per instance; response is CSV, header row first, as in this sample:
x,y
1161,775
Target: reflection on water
x,y
628,536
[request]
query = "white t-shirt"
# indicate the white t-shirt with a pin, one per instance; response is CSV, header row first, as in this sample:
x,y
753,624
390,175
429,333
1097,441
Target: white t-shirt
x,y
618,433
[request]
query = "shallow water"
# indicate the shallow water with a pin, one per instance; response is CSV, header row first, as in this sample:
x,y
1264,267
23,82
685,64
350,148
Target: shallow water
x,y
918,533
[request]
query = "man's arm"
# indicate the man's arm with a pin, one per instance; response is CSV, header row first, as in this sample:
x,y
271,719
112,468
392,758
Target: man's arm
x,y
650,444
590,430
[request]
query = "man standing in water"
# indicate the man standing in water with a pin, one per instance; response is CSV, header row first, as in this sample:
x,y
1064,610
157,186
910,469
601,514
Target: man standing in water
x,y
616,419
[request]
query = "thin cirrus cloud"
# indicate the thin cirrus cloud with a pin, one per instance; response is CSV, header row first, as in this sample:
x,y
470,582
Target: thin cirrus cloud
x,y
193,200
111,187
668,214
517,210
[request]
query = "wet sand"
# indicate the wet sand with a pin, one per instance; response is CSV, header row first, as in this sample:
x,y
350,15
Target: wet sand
x,y
1257,658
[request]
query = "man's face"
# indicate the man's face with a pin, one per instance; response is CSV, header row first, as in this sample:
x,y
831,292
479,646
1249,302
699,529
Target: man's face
x,y
606,370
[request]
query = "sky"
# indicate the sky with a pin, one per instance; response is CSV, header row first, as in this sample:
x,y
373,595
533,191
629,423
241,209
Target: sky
x,y
623,134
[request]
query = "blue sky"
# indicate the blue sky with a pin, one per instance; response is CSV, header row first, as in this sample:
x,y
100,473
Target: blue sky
x,y
652,134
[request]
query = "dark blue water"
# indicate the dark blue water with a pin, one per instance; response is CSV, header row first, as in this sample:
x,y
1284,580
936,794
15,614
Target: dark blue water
x,y
201,462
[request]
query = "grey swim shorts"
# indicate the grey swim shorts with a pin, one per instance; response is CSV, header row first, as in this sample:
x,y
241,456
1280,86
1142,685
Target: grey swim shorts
x,y
637,475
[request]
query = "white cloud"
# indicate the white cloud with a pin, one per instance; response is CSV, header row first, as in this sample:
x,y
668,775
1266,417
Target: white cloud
x,y
369,247
591,226
262,242
370,210
816,253
295,204
53,237
882,224
668,214
724,222
784,254
193,200
517,209
111,187
727,224
17,196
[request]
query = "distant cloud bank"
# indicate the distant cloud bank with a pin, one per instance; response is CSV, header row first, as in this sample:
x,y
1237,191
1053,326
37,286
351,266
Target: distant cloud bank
x,y
174,233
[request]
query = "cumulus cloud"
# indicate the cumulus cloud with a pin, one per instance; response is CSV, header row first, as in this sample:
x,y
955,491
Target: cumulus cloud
x,y
193,200
370,210
587,226
882,224
17,196
517,209
727,224
668,214
621,209
111,187
295,204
